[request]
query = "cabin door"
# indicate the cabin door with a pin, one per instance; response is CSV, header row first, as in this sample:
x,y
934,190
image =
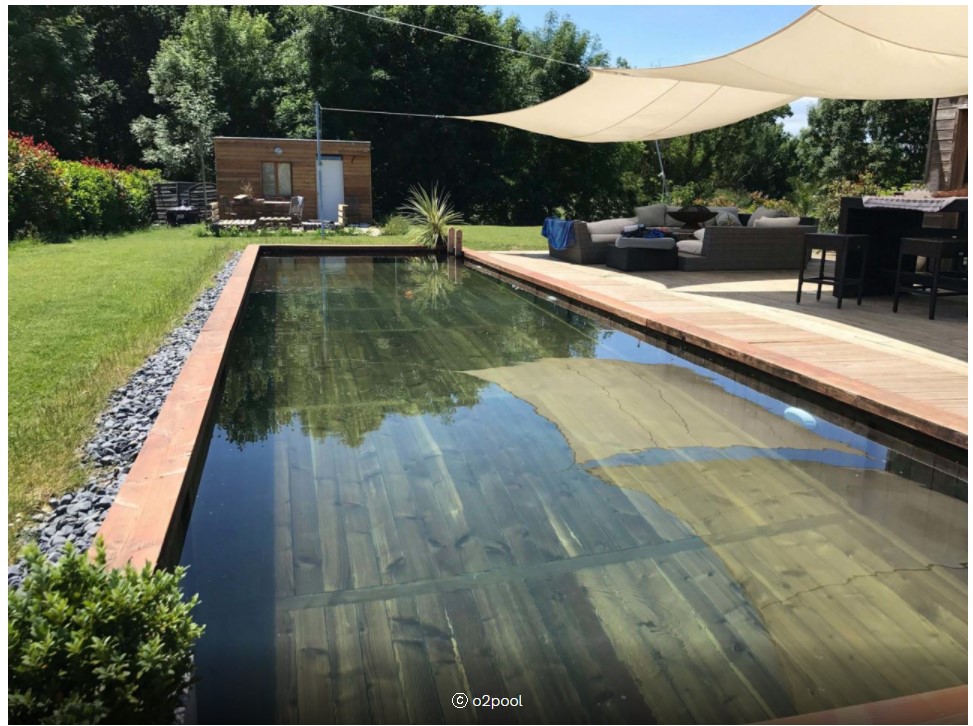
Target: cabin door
x,y
331,182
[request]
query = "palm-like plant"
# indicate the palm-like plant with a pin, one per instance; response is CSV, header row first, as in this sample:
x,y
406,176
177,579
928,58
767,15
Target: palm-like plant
x,y
430,216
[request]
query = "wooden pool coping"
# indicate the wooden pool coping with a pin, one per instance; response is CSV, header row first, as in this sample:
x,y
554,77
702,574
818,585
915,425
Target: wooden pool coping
x,y
143,524
855,394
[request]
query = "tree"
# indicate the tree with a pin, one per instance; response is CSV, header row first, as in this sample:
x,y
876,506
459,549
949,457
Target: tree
x,y
51,85
899,131
125,40
753,155
216,75
844,139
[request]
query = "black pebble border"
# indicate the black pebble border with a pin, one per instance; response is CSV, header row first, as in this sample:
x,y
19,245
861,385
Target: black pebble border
x,y
120,431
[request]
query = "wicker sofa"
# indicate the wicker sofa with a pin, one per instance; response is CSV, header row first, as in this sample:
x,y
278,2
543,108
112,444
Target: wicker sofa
x,y
722,248
592,240
747,248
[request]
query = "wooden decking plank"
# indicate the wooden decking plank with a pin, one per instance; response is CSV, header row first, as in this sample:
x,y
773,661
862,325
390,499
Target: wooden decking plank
x,y
418,564
329,520
719,690
315,701
354,511
283,530
350,692
447,666
385,537
480,661
482,505
307,546
286,672
527,530
530,664
414,668
442,526
642,640
735,625
477,553
603,682
386,702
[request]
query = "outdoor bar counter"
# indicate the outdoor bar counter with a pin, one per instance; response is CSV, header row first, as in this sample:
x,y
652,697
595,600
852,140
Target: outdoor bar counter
x,y
886,226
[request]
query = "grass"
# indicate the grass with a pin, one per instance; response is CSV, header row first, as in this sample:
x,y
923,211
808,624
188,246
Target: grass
x,y
483,237
83,316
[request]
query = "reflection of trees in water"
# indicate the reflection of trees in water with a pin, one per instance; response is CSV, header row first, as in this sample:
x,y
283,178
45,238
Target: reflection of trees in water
x,y
340,361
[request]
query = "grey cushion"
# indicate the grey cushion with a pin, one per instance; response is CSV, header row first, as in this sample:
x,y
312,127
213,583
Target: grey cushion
x,y
610,226
764,212
604,237
778,222
690,246
656,243
653,215
727,218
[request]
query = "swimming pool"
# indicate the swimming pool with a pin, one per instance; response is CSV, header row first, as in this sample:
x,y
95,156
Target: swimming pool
x,y
424,482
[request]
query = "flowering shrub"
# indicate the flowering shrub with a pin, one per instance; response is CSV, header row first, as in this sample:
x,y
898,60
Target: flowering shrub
x,y
49,197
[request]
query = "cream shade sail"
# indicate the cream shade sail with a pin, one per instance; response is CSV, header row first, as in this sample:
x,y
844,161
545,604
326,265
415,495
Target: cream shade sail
x,y
851,52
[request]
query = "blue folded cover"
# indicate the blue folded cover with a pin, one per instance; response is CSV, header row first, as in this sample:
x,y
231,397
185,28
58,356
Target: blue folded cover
x,y
559,232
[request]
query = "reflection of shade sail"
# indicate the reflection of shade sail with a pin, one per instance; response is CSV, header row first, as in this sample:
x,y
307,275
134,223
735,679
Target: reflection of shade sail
x,y
867,52
609,407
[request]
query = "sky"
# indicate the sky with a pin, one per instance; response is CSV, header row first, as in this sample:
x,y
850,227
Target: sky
x,y
666,35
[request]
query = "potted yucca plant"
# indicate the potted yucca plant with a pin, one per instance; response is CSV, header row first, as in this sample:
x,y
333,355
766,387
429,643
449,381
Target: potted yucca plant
x,y
430,216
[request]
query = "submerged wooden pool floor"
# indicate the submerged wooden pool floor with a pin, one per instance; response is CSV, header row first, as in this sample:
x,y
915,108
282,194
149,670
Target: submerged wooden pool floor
x,y
413,568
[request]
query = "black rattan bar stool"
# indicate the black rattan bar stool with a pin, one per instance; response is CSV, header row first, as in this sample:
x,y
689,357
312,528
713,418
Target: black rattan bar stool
x,y
939,282
842,245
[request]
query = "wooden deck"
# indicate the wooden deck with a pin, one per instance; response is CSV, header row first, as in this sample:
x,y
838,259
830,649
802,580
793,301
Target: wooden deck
x,y
902,366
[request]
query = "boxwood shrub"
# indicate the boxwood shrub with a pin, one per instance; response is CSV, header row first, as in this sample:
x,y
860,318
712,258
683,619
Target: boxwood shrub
x,y
87,644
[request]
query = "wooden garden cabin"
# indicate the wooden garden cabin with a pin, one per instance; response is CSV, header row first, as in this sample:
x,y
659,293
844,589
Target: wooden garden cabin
x,y
281,168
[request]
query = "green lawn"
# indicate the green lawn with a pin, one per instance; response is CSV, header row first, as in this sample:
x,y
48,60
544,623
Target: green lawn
x,y
84,315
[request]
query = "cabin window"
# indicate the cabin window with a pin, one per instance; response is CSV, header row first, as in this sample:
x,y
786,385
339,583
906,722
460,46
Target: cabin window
x,y
276,177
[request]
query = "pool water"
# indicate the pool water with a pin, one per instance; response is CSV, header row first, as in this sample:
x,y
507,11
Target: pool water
x,y
425,482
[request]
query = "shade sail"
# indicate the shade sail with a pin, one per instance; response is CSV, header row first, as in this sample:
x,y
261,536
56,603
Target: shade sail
x,y
851,52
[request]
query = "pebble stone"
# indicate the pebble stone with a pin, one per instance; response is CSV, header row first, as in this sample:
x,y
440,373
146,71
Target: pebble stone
x,y
120,431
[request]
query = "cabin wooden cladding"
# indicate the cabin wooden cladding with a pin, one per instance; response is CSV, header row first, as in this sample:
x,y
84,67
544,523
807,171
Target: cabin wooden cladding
x,y
239,159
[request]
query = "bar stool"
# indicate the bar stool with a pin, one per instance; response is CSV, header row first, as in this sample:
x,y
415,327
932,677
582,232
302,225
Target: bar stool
x,y
842,245
935,250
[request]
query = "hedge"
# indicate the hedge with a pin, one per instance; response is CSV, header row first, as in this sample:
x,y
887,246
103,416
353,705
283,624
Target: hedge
x,y
49,198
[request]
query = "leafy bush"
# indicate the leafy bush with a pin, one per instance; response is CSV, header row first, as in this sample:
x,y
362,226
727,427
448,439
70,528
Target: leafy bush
x,y
51,198
430,215
830,202
36,194
396,226
87,644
